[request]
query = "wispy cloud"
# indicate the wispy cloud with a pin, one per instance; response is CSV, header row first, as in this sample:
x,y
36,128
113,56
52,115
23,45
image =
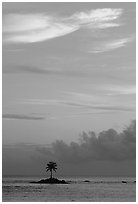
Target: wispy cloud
x,y
103,25
110,45
98,15
98,18
119,90
22,117
79,104
18,69
30,28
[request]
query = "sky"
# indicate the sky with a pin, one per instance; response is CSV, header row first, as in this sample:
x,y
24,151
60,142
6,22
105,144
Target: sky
x,y
68,69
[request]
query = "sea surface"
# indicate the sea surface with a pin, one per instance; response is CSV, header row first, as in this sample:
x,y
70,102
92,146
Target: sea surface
x,y
91,189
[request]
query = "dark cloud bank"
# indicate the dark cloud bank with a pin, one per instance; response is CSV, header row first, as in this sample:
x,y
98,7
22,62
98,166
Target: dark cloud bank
x,y
108,145
107,154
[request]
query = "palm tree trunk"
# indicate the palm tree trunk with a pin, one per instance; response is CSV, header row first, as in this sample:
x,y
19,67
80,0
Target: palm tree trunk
x,y
51,174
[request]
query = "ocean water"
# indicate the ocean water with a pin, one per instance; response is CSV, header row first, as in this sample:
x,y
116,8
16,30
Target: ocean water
x,y
98,189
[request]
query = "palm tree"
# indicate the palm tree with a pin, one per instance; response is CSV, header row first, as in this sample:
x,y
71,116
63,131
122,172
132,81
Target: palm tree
x,y
51,166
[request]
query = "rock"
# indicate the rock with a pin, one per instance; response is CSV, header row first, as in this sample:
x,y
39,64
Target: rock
x,y
87,181
124,182
50,181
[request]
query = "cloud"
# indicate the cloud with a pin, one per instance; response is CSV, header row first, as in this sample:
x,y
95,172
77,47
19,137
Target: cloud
x,y
24,22
119,90
106,146
110,45
18,69
81,101
30,28
22,117
98,15
98,18
103,25
97,107
107,154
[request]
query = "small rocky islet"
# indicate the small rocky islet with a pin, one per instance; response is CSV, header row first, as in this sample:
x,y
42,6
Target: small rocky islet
x,y
50,181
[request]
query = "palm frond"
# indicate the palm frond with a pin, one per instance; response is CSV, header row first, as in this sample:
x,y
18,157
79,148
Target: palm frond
x,y
51,166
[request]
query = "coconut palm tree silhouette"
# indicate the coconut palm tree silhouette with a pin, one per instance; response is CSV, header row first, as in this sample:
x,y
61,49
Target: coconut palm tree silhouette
x,y
51,166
